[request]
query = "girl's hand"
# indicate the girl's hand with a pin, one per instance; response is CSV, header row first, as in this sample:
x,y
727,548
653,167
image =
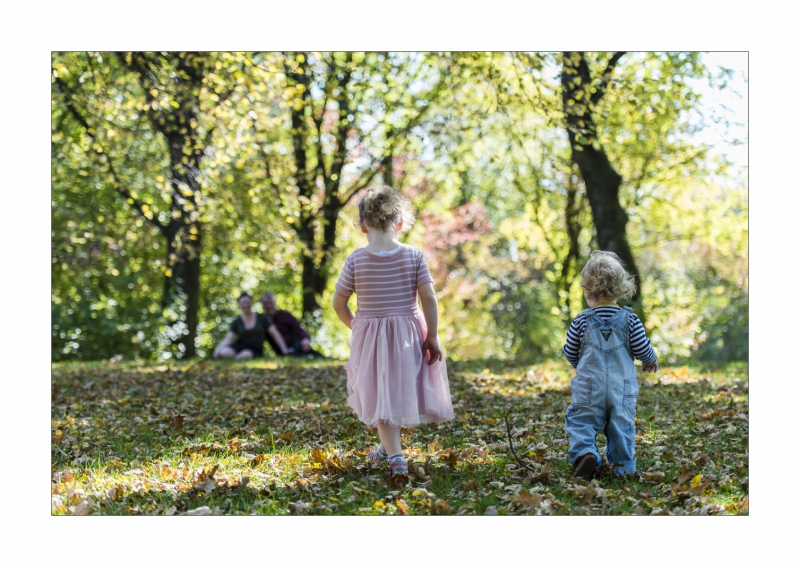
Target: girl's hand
x,y
431,345
650,367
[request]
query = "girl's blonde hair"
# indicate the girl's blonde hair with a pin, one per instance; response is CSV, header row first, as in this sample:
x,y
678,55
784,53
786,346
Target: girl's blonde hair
x,y
383,208
604,277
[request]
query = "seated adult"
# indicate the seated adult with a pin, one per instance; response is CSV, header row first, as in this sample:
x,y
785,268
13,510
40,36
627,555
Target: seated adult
x,y
296,339
246,334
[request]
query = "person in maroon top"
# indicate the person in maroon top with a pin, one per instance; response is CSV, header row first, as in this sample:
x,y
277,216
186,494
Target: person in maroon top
x,y
289,327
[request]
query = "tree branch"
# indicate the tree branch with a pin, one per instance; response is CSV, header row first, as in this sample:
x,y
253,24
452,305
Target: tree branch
x,y
321,170
104,157
606,77
136,66
513,452
359,186
398,137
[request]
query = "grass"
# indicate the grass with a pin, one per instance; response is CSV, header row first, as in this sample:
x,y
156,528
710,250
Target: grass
x,y
264,437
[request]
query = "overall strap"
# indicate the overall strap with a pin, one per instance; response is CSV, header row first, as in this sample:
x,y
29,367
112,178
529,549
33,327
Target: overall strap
x,y
628,314
623,314
588,314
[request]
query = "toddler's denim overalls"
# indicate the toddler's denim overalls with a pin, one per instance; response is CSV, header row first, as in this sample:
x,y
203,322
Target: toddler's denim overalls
x,y
604,392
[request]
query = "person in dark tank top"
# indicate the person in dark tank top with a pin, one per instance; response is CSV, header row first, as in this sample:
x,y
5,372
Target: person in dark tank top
x,y
247,333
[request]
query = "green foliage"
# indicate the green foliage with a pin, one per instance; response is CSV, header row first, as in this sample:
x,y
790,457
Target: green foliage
x,y
285,142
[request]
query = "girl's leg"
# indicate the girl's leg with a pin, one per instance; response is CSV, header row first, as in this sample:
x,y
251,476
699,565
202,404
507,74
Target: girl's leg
x,y
390,438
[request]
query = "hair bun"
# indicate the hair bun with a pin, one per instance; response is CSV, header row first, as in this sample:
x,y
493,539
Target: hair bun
x,y
384,208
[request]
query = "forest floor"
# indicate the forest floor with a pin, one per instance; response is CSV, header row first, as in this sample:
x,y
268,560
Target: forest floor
x,y
273,437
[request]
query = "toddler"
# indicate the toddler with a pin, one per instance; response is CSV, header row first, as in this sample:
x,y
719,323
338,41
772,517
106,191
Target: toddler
x,y
601,343
396,375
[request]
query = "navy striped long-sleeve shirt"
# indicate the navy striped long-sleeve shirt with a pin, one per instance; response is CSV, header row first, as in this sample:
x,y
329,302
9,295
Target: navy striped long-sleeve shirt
x,y
640,344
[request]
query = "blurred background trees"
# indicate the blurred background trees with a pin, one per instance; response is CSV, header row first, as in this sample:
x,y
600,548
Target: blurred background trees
x,y
180,180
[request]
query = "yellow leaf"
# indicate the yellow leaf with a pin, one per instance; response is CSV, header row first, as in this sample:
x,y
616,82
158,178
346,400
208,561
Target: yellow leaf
x,y
696,480
379,504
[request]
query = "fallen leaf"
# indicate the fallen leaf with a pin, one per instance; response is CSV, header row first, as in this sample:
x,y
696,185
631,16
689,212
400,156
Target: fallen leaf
x,y
441,508
177,422
206,485
298,507
543,477
449,456
84,508
653,476
201,511
533,500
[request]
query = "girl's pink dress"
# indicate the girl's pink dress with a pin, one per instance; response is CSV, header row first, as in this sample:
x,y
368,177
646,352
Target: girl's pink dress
x,y
388,379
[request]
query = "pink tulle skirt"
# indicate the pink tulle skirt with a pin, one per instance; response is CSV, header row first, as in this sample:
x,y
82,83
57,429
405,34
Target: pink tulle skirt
x,y
388,379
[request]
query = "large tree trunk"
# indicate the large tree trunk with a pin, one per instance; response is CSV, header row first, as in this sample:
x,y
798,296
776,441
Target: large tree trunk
x,y
184,229
601,179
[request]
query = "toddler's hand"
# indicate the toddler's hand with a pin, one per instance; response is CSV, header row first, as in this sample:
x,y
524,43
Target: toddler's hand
x,y
431,345
650,367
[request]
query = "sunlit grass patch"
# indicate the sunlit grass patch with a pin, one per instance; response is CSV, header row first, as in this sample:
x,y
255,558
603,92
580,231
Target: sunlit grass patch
x,y
274,438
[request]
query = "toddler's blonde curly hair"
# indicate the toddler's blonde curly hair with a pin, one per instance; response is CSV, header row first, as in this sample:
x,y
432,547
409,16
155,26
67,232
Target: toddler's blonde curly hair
x,y
605,279
383,208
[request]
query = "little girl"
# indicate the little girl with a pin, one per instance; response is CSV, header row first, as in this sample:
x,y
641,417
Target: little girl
x,y
396,375
601,343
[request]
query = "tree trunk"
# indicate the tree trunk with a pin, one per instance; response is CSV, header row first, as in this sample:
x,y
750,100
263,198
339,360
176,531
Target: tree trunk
x,y
317,251
601,179
568,266
184,229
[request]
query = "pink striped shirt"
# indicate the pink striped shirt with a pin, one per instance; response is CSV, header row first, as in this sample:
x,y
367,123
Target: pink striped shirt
x,y
384,282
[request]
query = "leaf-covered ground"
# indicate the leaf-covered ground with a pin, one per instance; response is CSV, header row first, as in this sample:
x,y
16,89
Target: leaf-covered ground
x,y
273,438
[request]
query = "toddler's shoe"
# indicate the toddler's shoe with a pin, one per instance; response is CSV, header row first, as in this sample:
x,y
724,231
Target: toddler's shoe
x,y
398,467
585,466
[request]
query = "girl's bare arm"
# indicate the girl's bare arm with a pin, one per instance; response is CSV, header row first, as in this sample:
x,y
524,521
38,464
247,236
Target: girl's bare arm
x,y
430,309
342,309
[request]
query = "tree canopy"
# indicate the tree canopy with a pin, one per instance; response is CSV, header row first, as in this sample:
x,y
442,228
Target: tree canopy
x,y
181,179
